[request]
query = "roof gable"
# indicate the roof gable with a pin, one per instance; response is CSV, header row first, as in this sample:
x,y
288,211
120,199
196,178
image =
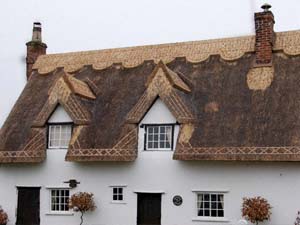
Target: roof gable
x,y
60,115
165,84
62,94
158,113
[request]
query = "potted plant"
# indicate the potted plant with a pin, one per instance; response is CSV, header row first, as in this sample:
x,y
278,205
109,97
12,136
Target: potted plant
x,y
82,202
256,209
3,217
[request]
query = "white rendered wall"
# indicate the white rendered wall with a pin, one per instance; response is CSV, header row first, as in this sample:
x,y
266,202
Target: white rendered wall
x,y
152,172
60,115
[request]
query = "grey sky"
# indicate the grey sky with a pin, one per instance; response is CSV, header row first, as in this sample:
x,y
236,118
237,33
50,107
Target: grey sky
x,y
73,25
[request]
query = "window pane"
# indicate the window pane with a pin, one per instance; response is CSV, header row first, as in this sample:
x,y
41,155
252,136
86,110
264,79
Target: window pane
x,y
162,144
220,213
206,212
162,137
120,190
56,133
213,205
150,144
206,197
214,213
220,205
150,130
200,197
115,190
51,133
214,197
200,212
206,205
220,198
168,145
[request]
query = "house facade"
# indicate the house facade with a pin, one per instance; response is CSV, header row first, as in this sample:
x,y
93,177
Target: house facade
x,y
172,134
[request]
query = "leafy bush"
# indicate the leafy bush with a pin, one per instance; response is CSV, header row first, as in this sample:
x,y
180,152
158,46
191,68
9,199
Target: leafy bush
x,y
3,216
256,209
82,202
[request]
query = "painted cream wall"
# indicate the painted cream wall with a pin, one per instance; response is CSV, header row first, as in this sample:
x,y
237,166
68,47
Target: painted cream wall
x,y
156,172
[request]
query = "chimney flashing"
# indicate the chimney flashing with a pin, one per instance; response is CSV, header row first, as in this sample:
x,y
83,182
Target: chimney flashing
x,y
36,44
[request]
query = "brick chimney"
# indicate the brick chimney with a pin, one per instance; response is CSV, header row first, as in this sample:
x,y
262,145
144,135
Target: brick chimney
x,y
35,48
265,36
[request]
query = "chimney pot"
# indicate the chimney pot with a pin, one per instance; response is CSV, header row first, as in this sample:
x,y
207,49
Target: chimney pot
x,y
35,48
266,7
37,32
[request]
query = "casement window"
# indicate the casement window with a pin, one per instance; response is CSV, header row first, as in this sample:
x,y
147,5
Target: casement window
x,y
159,137
210,205
59,200
59,135
118,194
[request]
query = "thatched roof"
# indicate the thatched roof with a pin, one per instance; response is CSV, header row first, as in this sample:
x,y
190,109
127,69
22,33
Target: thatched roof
x,y
226,108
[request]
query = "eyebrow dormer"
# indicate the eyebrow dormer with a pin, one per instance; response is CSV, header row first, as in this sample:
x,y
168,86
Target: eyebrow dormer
x,y
165,84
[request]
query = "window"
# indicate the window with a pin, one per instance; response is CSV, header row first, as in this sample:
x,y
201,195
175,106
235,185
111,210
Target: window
x,y
159,137
118,194
210,205
60,200
59,135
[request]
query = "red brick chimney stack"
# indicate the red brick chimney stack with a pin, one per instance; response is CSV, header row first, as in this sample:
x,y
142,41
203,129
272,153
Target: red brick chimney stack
x,y
35,48
265,36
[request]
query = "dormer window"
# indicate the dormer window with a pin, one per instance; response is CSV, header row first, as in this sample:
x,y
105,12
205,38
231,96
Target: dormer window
x,y
159,137
59,136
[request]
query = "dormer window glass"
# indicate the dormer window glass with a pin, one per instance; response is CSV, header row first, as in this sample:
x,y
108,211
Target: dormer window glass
x,y
59,136
159,137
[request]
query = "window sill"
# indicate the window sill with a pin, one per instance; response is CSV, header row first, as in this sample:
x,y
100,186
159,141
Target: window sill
x,y
70,213
210,219
58,187
118,185
213,191
118,202
158,150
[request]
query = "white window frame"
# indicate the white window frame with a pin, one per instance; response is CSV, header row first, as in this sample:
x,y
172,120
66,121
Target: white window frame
x,y
146,137
51,211
210,218
50,127
113,194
